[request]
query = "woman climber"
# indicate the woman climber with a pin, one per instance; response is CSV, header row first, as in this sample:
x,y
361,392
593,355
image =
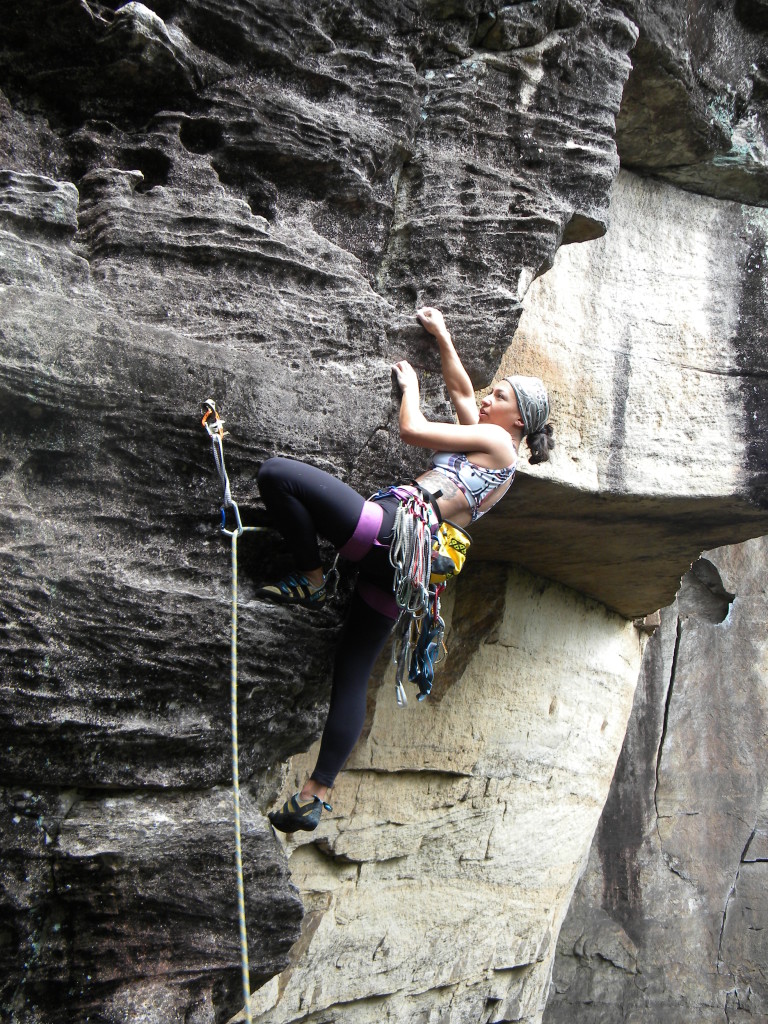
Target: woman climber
x,y
472,467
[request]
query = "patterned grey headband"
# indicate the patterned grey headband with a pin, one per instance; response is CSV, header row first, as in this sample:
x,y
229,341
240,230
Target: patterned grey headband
x,y
532,401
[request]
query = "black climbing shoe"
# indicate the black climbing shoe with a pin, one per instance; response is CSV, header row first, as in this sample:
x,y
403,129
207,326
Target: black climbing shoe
x,y
295,816
294,589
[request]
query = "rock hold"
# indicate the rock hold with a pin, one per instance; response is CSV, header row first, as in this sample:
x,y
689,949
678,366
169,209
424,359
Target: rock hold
x,y
36,203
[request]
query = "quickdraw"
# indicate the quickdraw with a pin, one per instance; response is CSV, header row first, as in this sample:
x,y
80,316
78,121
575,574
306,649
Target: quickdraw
x,y
418,648
429,647
420,628
216,432
410,555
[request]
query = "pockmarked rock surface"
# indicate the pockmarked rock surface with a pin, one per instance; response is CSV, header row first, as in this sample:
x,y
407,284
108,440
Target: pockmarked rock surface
x,y
668,921
246,201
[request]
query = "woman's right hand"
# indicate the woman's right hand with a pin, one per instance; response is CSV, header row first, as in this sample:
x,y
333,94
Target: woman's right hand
x,y
432,319
406,375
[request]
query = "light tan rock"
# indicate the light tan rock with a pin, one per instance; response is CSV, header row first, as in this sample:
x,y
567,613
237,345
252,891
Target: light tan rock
x,y
642,354
677,872
646,340
461,823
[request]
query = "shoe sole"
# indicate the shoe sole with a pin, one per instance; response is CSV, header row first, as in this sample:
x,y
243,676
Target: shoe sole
x,y
294,827
280,599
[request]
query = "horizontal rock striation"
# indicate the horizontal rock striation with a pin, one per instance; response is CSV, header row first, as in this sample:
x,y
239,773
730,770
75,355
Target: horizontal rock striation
x,y
245,201
104,897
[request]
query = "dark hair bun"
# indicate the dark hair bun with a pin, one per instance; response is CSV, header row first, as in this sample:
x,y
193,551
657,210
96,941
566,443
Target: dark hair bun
x,y
541,442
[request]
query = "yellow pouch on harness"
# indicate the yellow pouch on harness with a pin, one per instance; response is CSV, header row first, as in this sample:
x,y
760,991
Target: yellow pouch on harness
x,y
449,551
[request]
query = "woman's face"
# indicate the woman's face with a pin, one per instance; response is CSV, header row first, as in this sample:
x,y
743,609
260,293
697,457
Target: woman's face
x,y
500,406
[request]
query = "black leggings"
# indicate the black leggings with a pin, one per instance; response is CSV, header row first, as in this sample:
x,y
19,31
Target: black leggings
x,y
304,501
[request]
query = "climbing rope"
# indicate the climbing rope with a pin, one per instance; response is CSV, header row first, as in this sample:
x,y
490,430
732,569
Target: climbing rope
x,y
216,432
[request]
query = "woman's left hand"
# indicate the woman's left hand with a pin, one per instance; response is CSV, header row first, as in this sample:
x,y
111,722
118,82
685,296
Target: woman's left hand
x,y
432,320
406,375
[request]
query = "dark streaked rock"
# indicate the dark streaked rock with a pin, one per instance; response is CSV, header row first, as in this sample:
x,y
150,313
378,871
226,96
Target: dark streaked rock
x,y
694,110
243,201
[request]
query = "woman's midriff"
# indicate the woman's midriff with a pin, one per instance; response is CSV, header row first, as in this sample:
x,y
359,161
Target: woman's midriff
x,y
452,503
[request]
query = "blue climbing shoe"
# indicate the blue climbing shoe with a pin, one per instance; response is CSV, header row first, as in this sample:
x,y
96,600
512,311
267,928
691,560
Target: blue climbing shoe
x,y
294,589
296,816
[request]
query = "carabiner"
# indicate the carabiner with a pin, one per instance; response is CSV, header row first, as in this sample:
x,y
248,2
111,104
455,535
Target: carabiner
x,y
238,522
402,660
217,428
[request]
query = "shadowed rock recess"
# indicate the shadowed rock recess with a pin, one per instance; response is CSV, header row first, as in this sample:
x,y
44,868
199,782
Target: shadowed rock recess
x,y
246,200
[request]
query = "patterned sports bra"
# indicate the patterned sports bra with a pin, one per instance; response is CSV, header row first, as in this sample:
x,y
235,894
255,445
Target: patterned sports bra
x,y
476,483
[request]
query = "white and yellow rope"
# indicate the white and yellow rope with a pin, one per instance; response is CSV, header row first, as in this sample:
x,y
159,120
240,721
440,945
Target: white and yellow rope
x,y
216,433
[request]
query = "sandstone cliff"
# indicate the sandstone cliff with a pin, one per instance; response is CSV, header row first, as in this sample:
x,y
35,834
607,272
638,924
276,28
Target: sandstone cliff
x,y
668,922
247,200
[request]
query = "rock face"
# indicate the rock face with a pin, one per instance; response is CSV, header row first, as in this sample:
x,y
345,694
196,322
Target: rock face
x,y
652,332
246,200
694,109
459,825
668,922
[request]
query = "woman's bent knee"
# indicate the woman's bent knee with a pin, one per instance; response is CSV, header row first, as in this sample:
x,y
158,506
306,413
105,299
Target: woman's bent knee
x,y
273,471
267,468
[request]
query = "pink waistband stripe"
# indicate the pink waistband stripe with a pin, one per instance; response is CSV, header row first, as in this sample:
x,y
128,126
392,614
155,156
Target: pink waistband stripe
x,y
366,532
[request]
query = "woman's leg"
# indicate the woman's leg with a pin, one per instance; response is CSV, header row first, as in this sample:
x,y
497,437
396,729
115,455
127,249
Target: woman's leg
x,y
304,501
364,634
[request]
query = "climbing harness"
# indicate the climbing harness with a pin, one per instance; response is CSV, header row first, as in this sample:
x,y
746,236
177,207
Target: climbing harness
x,y
214,426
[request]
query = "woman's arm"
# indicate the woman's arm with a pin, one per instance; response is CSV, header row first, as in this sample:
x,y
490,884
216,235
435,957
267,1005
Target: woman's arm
x,y
472,438
455,376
